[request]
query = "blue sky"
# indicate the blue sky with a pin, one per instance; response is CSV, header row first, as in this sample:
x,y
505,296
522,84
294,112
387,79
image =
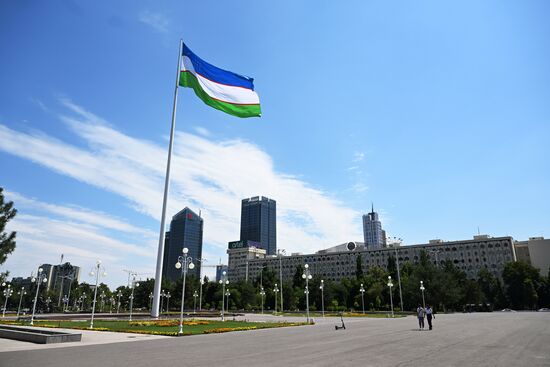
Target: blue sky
x,y
437,113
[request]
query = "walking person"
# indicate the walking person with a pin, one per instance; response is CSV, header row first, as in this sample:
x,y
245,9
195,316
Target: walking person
x,y
429,315
420,312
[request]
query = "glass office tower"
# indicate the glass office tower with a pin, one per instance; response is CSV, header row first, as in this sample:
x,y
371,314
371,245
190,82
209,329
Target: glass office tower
x,y
186,230
259,222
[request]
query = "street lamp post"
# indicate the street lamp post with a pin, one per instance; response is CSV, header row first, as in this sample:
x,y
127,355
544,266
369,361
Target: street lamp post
x,y
112,303
195,295
200,293
398,278
65,301
322,288
280,253
362,290
7,293
262,295
133,285
423,289
21,293
276,291
150,300
184,262
48,301
40,278
227,294
223,282
168,295
98,270
390,285
102,297
119,294
307,276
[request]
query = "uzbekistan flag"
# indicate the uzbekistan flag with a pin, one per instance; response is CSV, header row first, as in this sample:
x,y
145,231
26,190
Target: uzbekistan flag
x,y
229,92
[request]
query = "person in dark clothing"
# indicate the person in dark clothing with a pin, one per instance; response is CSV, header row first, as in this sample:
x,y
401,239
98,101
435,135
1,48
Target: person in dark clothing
x,y
429,315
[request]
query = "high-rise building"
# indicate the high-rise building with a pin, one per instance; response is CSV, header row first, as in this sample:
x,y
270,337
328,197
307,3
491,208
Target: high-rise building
x,y
186,230
373,234
259,222
60,276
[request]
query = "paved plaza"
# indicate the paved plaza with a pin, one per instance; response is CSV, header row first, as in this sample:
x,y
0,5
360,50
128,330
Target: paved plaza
x,y
477,339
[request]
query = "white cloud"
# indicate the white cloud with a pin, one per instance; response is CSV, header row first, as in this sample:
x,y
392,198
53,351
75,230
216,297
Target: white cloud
x,y
202,131
358,156
209,175
157,21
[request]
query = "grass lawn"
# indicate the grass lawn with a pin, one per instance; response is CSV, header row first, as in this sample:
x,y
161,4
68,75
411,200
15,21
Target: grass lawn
x,y
161,327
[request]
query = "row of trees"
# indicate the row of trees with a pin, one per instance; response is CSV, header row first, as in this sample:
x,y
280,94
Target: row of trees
x,y
447,289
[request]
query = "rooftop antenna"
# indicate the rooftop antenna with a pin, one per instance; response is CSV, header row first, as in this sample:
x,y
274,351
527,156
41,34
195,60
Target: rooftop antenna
x,y
372,207
478,231
199,213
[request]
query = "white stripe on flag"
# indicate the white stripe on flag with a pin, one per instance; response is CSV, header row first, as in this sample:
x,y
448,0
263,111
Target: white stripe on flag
x,y
226,93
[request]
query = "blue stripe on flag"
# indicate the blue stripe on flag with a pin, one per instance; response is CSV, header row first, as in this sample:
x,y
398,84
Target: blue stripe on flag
x,y
216,74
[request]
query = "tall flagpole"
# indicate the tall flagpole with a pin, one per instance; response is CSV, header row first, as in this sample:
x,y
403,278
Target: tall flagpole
x,y
160,253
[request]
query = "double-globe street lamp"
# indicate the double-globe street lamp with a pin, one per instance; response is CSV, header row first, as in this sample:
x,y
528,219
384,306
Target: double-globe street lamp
x,y
40,278
223,282
362,290
133,285
98,270
390,285
307,276
184,262
7,293
21,293
423,289
322,288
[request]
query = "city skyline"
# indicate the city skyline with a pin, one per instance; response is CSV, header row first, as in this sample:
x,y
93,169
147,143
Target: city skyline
x,y
443,126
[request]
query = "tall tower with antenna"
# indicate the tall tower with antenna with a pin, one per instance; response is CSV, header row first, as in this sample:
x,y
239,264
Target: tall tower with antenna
x,y
373,235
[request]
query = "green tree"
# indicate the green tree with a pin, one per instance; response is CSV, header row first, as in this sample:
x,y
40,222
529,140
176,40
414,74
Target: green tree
x,y
7,239
521,282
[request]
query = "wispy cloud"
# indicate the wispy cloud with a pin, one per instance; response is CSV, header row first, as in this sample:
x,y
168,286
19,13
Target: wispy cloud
x,y
201,131
158,21
44,231
210,175
358,156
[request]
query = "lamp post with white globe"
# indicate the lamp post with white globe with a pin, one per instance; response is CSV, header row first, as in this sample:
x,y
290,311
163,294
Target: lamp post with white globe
x,y
423,289
390,285
307,276
262,295
98,269
322,288
21,293
40,278
7,293
184,262
362,290
223,282
195,295
133,285
276,290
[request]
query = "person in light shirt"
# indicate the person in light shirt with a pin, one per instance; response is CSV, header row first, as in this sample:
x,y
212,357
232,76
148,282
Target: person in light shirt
x,y
420,312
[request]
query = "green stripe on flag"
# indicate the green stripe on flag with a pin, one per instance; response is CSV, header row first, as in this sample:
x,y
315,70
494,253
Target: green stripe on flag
x,y
190,81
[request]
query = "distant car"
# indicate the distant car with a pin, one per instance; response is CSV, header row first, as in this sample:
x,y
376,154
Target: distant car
x,y
544,309
507,310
